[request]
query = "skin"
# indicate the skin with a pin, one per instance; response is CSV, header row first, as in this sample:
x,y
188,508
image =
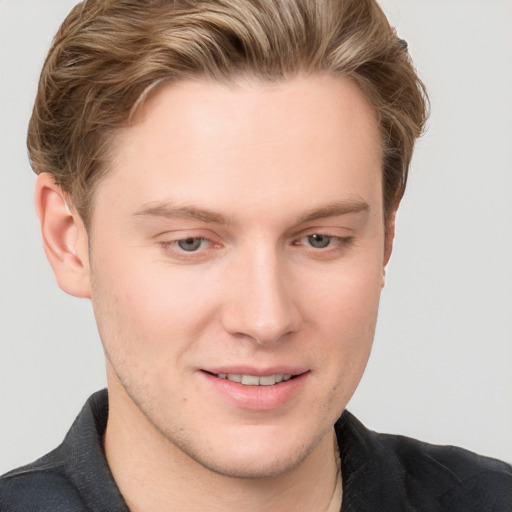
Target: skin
x,y
248,173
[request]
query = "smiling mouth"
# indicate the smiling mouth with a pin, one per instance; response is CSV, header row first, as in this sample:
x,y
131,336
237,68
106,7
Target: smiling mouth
x,y
255,380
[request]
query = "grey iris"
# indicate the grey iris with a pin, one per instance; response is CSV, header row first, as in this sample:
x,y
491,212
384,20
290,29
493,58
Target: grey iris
x,y
319,241
190,244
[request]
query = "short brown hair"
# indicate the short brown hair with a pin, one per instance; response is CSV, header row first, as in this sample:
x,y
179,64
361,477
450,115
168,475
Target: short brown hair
x,y
108,55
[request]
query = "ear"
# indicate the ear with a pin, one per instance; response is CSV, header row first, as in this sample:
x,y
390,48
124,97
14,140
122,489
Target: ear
x,y
65,238
388,242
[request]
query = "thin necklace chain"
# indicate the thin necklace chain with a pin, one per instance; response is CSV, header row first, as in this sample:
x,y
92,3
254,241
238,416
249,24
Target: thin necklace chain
x,y
337,495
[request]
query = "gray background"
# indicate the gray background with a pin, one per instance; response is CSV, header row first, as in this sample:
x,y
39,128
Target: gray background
x,y
441,366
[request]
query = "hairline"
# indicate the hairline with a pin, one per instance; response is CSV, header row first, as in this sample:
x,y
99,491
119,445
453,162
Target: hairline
x,y
233,80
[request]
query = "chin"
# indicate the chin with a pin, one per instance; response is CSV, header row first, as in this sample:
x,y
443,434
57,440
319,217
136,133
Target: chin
x,y
249,465
251,453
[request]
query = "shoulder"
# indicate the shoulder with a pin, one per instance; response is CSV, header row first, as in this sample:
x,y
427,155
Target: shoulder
x,y
458,478
444,478
41,486
74,477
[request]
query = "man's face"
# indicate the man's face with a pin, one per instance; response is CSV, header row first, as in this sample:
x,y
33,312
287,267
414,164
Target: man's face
x,y
239,235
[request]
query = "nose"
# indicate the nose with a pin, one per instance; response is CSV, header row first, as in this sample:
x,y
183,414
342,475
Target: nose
x,y
263,304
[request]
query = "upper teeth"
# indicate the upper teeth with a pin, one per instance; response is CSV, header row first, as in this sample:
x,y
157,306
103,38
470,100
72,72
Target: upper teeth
x,y
254,380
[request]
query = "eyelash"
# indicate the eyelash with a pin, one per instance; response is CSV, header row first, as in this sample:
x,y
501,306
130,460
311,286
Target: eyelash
x,y
336,244
173,247
340,241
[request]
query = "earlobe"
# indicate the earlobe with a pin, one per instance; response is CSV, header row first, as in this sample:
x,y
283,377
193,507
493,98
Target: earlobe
x,y
64,237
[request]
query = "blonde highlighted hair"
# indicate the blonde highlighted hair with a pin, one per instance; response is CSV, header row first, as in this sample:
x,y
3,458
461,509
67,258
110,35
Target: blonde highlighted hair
x,y
108,55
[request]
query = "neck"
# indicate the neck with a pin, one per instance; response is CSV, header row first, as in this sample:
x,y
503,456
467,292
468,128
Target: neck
x,y
152,473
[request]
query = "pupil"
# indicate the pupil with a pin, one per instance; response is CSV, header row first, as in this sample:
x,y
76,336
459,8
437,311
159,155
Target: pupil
x,y
319,241
189,244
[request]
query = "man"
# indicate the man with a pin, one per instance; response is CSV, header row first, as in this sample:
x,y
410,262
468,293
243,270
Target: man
x,y
221,180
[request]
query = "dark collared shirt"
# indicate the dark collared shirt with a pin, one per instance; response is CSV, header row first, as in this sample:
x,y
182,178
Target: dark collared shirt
x,y
383,473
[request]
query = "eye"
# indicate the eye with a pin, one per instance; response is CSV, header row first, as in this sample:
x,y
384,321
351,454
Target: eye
x,y
319,241
324,245
190,244
190,249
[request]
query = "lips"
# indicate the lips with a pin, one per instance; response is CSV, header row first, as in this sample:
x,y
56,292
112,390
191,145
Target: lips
x,y
257,390
255,380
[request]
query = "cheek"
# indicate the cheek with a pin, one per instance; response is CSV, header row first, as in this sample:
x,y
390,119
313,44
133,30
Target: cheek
x,y
346,298
345,315
145,309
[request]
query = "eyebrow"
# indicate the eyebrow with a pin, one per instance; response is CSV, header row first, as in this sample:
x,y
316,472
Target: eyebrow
x,y
167,210
184,212
354,205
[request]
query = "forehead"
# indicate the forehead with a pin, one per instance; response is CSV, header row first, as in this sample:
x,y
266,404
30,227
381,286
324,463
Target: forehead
x,y
249,143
